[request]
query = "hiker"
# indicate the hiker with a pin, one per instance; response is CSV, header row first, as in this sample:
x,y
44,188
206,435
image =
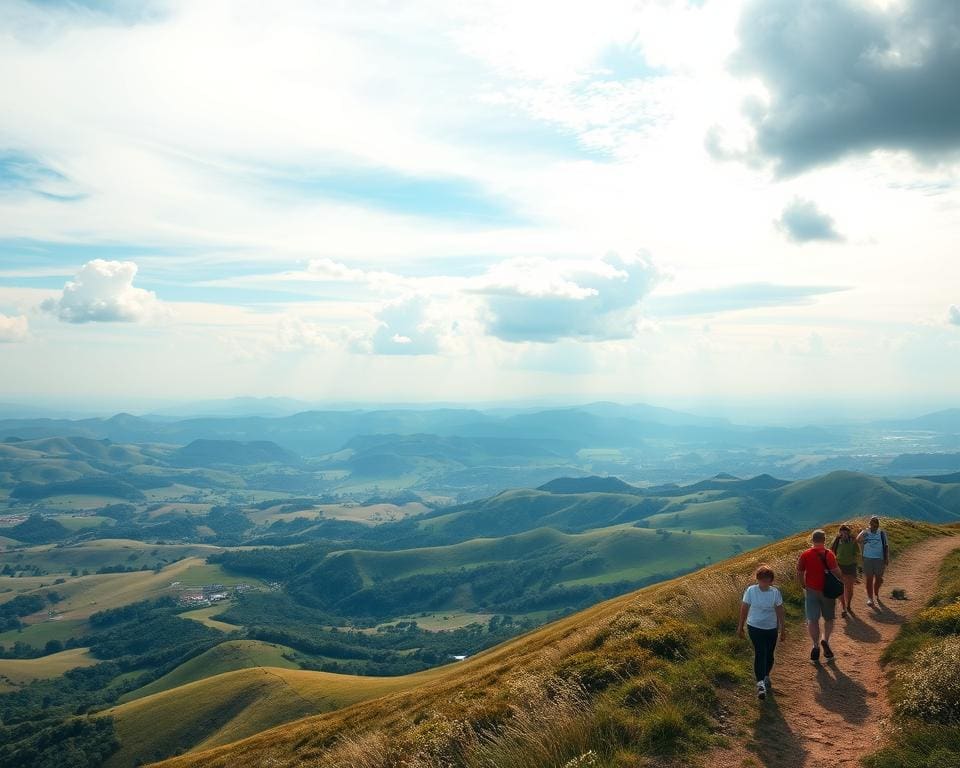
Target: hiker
x,y
811,570
846,549
876,557
762,611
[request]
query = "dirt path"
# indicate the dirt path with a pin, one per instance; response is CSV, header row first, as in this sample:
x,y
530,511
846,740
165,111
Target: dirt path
x,y
833,714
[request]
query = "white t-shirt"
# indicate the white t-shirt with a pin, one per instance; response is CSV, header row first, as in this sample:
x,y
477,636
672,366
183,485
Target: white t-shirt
x,y
762,613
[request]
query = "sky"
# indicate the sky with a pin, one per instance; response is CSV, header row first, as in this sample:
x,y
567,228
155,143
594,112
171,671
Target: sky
x,y
706,204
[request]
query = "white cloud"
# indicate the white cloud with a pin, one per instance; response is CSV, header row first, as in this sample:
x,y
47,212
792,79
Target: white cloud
x,y
551,299
326,269
103,291
406,326
13,328
955,314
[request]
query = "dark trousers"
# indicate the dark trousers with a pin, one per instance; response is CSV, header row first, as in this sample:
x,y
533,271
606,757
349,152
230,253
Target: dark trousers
x,y
764,643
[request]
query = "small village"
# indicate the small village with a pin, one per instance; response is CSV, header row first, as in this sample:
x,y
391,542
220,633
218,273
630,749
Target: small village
x,y
208,594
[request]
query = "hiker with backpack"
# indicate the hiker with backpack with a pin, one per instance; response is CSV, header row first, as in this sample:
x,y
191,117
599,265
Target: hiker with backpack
x,y
847,550
876,557
761,610
820,575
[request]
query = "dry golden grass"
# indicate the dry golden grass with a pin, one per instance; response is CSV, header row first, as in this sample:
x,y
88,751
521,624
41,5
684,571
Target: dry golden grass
x,y
229,706
651,663
20,671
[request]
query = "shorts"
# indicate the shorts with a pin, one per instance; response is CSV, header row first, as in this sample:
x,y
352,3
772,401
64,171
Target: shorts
x,y
816,605
849,570
873,566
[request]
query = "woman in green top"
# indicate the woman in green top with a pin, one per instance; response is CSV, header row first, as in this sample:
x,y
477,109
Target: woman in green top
x,y
845,547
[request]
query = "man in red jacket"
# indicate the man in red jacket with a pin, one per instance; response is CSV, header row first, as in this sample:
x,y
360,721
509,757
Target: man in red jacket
x,y
811,569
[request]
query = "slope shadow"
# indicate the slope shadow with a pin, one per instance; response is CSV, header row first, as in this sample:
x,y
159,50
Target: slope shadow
x,y
773,742
841,694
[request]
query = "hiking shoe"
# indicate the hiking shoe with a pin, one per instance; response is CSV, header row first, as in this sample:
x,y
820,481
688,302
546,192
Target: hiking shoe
x,y
761,690
827,650
843,613
815,654
870,603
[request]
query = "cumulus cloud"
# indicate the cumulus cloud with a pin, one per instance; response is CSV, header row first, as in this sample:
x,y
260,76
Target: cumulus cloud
x,y
406,326
13,328
802,221
955,314
540,299
103,291
848,76
295,333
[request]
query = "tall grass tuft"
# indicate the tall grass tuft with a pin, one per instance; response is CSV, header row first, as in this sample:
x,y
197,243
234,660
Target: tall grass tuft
x,y
714,600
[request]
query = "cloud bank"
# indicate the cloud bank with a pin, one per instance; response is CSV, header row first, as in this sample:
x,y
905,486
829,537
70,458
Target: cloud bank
x,y
103,292
844,77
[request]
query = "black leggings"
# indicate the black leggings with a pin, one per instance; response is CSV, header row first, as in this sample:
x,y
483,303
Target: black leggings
x,y
764,644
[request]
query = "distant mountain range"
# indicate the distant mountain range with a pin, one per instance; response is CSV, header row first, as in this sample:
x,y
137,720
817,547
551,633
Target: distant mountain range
x,y
465,453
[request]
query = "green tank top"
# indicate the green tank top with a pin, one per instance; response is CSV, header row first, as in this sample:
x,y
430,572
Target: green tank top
x,y
846,552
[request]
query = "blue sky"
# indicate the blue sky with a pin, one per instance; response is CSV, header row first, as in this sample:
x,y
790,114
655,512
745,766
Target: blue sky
x,y
663,200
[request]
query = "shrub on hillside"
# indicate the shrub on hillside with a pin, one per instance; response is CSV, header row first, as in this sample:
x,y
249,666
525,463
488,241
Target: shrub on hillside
x,y
596,672
668,638
932,684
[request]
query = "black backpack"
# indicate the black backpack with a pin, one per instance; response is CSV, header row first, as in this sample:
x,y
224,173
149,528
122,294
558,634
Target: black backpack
x,y
832,586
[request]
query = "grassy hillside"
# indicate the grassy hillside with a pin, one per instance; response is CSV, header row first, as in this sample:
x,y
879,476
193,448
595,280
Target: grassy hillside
x,y
226,657
758,505
85,595
841,495
606,553
102,553
20,671
648,673
235,705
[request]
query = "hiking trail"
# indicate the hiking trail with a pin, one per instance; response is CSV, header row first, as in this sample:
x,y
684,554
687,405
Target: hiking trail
x,y
835,713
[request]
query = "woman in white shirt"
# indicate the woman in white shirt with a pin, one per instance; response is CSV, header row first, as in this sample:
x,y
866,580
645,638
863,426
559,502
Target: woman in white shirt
x,y
762,612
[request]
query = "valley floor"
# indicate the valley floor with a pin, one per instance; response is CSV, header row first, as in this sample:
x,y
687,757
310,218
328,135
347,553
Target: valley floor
x,y
835,714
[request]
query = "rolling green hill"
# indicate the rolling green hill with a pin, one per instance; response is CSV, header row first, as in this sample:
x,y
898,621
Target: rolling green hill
x,y
229,656
386,581
102,553
761,505
19,671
